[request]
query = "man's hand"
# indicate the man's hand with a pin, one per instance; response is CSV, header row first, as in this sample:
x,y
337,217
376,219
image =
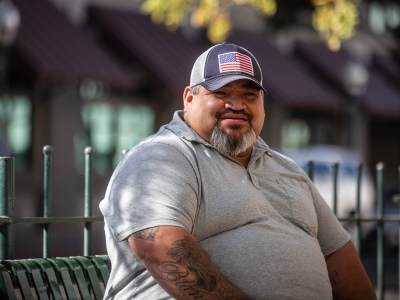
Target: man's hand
x,y
176,261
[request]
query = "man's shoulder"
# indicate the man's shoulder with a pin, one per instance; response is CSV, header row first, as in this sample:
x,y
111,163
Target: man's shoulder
x,y
164,145
164,138
285,161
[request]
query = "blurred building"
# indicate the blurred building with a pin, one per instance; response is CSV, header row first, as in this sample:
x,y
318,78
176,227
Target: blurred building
x,y
98,73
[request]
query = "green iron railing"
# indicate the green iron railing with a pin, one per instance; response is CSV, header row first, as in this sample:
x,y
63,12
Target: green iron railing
x,y
8,219
380,218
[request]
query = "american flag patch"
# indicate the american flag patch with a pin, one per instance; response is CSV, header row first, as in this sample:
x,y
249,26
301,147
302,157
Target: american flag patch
x,y
235,61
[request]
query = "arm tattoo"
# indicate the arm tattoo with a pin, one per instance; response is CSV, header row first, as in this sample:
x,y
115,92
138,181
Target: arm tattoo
x,y
332,277
190,274
148,234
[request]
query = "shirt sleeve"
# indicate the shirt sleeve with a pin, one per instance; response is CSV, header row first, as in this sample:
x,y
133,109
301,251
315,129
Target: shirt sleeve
x,y
331,234
154,185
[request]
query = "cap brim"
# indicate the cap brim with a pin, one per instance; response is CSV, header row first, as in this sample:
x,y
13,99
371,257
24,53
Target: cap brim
x,y
216,83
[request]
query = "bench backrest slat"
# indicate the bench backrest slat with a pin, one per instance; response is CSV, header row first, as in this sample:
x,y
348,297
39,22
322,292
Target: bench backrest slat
x,y
92,274
81,281
78,277
51,277
65,277
36,274
6,284
22,279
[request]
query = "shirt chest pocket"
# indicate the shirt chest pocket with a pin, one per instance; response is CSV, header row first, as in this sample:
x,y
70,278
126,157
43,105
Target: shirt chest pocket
x,y
292,199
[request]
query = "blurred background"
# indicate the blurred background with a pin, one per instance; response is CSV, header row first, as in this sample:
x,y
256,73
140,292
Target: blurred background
x,y
107,73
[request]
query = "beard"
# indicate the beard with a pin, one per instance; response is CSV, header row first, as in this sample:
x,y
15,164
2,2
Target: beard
x,y
232,143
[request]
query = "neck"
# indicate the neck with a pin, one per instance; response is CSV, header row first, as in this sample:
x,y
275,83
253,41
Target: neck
x,y
244,157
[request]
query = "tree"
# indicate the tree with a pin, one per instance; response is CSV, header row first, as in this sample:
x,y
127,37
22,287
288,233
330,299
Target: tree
x,y
334,20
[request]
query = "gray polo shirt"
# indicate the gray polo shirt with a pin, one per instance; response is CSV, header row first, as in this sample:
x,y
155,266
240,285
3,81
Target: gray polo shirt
x,y
266,227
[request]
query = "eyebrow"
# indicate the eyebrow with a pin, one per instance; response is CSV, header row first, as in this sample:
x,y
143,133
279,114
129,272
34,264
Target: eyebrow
x,y
247,84
251,85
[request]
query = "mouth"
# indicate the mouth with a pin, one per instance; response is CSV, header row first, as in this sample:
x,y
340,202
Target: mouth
x,y
234,118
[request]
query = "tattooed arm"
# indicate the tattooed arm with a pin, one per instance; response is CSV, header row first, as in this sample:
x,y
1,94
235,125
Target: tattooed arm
x,y
176,261
348,277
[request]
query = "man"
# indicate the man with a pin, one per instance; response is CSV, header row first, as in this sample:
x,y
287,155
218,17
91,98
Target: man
x,y
204,209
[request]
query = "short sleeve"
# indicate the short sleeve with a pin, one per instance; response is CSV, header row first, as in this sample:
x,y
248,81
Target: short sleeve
x,y
331,233
154,185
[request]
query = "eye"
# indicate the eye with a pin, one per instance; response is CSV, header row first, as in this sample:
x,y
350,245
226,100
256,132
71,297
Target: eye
x,y
219,93
251,95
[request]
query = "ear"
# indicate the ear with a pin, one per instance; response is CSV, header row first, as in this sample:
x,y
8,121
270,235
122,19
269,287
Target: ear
x,y
187,97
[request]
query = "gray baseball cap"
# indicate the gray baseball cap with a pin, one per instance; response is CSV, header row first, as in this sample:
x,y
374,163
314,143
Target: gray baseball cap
x,y
224,63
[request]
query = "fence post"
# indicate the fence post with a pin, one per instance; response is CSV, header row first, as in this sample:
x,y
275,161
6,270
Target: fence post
x,y
380,233
310,169
47,199
335,170
7,207
358,208
396,199
88,201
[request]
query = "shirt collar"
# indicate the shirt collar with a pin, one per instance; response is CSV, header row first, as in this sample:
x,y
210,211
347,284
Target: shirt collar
x,y
183,130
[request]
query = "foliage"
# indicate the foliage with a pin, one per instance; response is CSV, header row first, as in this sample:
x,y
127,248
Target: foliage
x,y
334,20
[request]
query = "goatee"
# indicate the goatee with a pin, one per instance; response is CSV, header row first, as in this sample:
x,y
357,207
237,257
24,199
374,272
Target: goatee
x,y
232,143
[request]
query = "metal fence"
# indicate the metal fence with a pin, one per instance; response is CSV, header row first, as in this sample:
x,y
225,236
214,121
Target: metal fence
x,y
8,220
380,219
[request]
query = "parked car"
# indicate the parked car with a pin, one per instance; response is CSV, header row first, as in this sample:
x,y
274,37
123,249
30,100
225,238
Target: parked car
x,y
323,157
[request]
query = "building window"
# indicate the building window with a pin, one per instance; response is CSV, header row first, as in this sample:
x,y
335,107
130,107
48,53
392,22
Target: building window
x,y
112,129
15,128
295,134
383,17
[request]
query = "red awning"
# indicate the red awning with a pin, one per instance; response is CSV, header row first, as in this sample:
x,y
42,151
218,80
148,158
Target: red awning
x,y
286,80
169,57
381,99
166,55
54,51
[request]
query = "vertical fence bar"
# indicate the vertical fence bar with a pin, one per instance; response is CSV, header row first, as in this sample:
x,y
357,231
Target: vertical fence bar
x,y
88,201
47,199
380,233
358,209
396,199
310,169
7,207
335,171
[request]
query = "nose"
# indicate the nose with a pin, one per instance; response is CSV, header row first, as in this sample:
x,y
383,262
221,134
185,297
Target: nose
x,y
235,103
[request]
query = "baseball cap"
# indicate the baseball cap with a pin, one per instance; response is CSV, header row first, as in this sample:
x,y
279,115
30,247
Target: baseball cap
x,y
224,63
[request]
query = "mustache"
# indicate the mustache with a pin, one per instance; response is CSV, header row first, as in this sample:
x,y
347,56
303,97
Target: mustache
x,y
242,112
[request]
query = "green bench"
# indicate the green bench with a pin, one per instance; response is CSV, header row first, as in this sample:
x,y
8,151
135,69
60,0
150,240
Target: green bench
x,y
75,277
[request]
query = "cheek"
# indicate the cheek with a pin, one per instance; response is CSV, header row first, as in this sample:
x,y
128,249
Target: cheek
x,y
202,118
258,121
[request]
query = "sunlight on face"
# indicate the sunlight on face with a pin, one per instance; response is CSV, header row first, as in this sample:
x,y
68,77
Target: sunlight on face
x,y
230,118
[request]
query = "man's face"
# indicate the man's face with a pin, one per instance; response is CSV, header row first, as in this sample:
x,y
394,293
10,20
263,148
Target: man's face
x,y
234,112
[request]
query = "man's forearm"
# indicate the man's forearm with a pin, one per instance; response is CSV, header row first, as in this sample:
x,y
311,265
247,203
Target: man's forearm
x,y
185,271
